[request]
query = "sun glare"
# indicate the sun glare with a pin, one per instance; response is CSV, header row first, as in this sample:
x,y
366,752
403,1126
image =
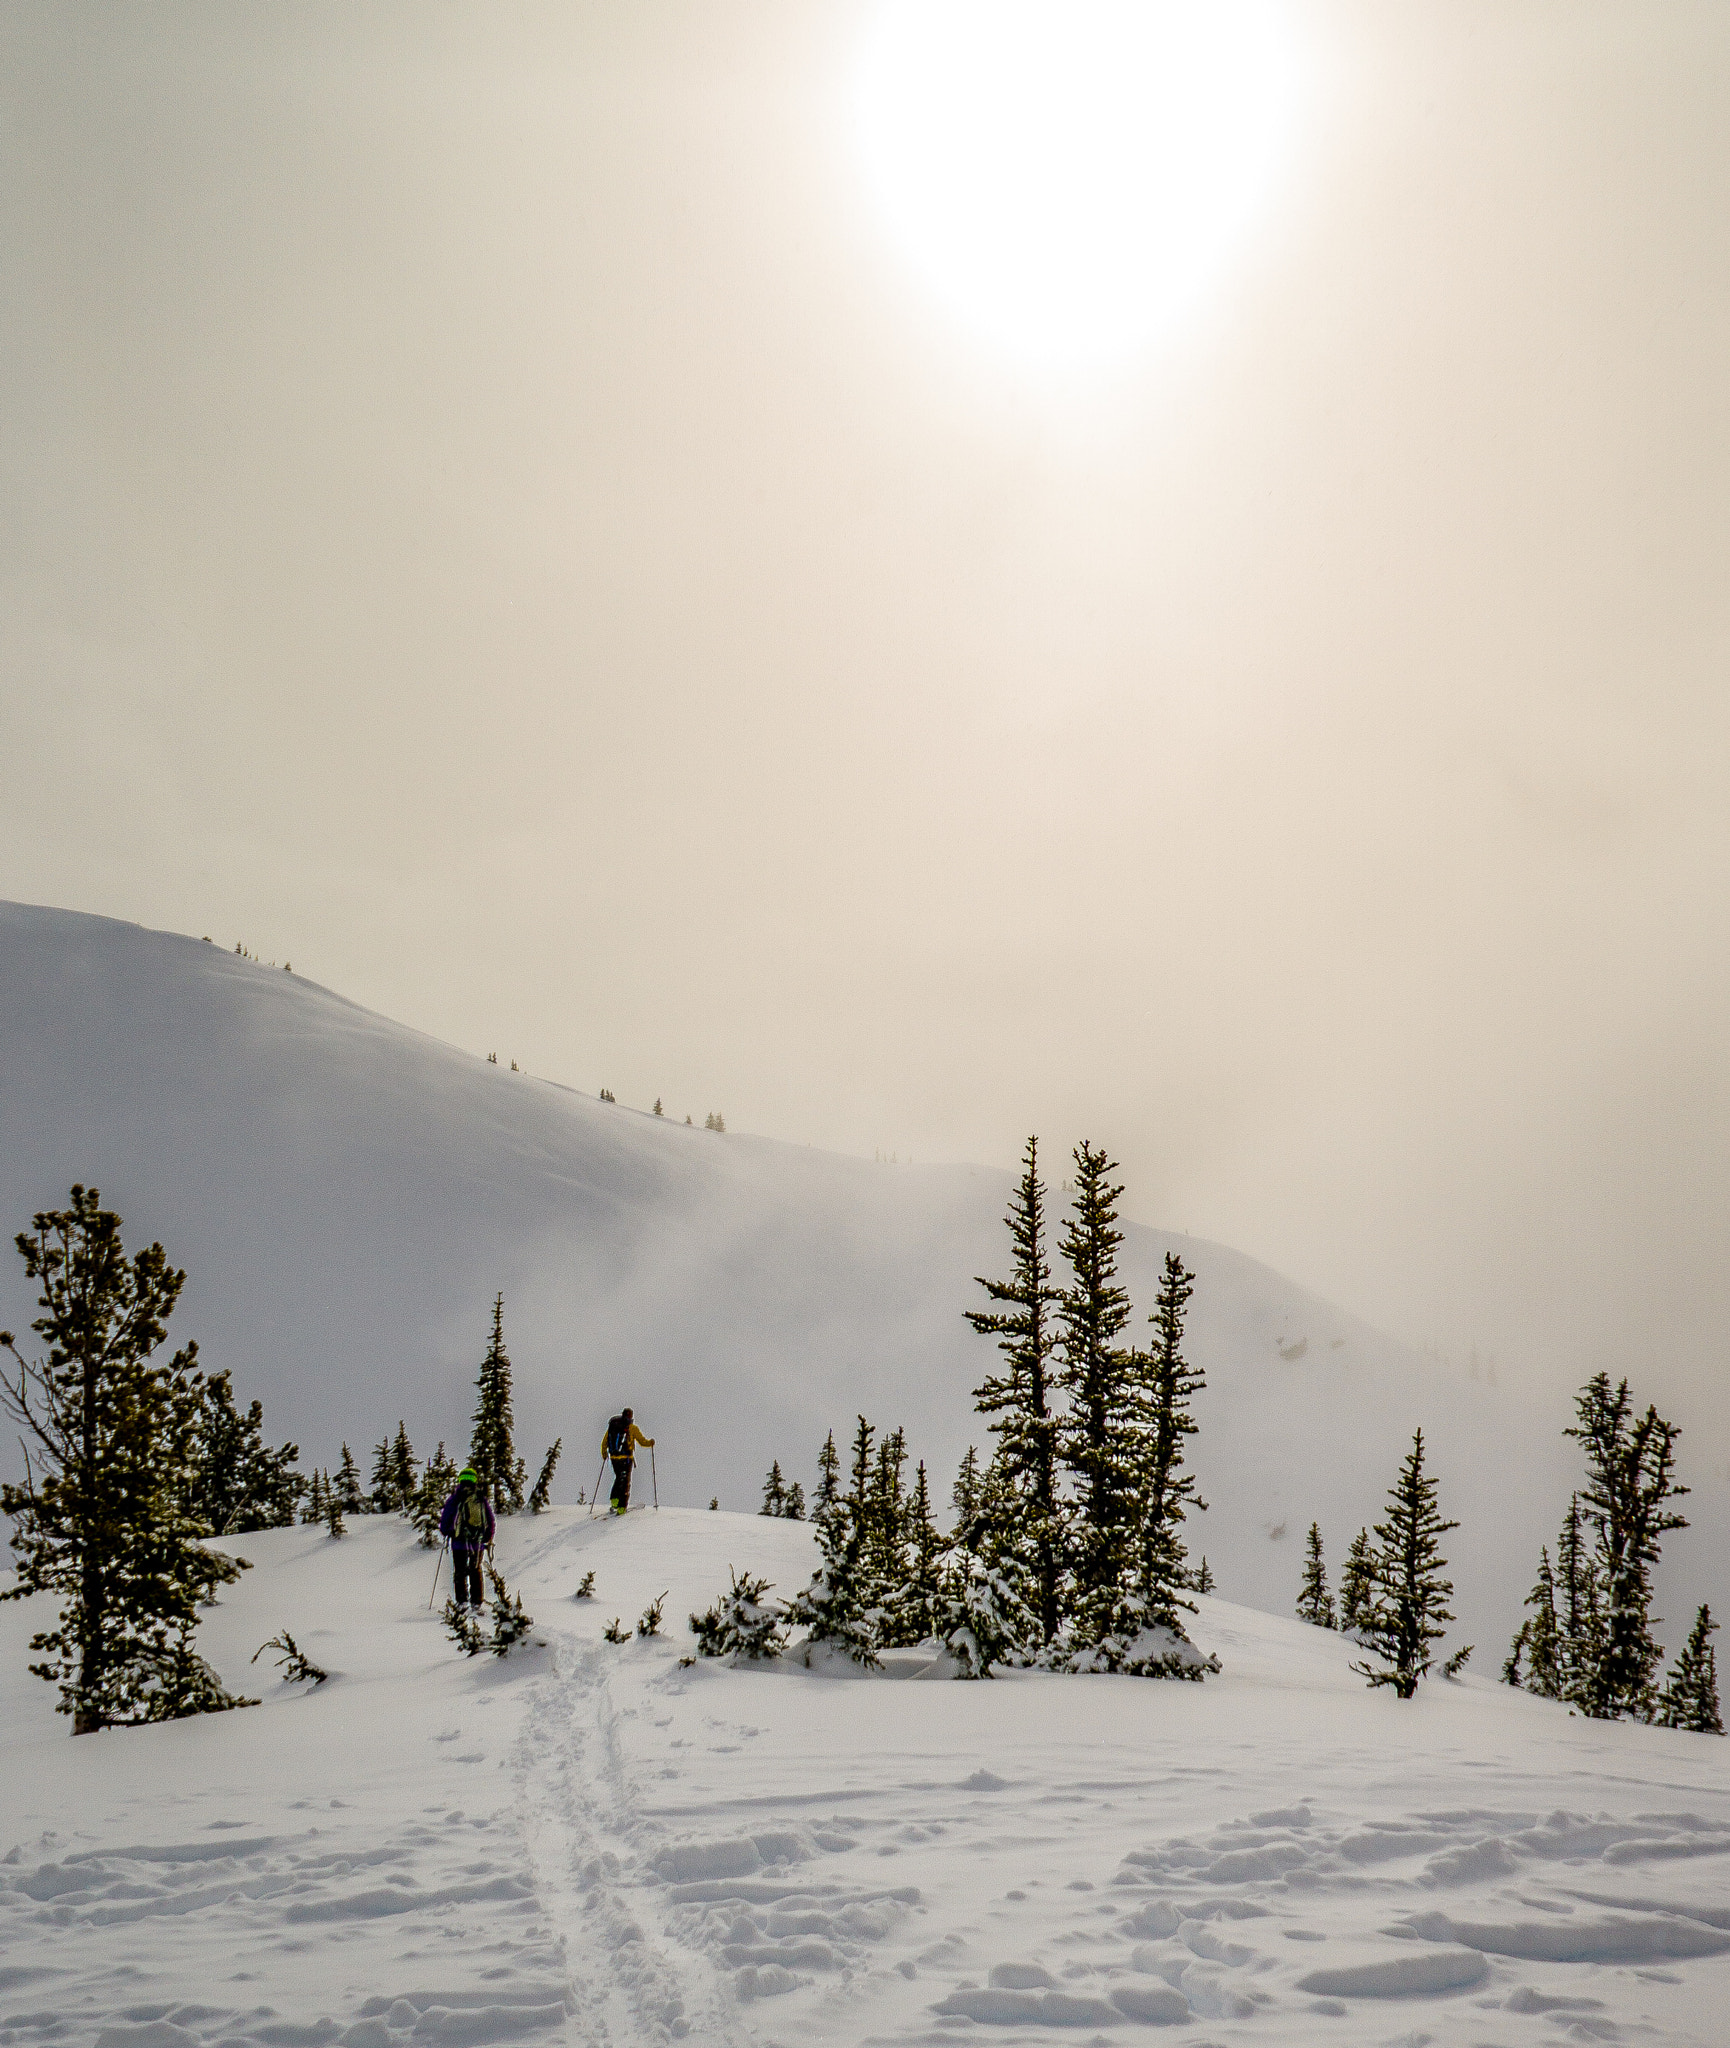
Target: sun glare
x,y
1071,179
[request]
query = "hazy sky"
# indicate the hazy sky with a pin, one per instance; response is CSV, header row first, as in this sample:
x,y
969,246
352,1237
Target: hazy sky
x,y
498,511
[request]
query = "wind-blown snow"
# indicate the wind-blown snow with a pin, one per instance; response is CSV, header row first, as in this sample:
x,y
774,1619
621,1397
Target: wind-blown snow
x,y
587,1843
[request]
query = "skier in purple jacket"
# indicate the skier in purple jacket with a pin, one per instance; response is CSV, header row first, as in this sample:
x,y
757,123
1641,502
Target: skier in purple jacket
x,y
466,1522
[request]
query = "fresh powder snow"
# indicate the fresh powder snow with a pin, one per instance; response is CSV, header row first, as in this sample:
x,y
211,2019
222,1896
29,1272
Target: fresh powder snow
x,y
589,1842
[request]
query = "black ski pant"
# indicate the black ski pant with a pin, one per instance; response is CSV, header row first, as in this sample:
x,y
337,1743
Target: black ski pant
x,y
622,1482
466,1569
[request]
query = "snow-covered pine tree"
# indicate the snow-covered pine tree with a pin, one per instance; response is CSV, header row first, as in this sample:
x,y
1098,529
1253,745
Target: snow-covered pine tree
x,y
436,1481
774,1497
333,1521
1630,1481
99,1519
964,1494
345,1487
1539,1639
317,1496
828,1477
744,1624
238,1482
1315,1602
885,1546
1168,1383
1101,1438
837,1609
1690,1696
1407,1616
982,1612
1023,1321
794,1510
541,1496
510,1623
403,1474
1358,1584
1580,1607
492,1446
381,1492
914,1602
1204,1578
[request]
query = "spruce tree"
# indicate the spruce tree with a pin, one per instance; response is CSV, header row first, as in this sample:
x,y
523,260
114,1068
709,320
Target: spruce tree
x,y
437,1479
1690,1697
1581,1613
1024,1323
345,1487
1406,1618
100,1520
964,1494
1168,1383
1540,1640
316,1492
238,1483
381,1493
1358,1584
794,1510
541,1494
886,1515
774,1492
1204,1578
404,1469
916,1600
492,1447
828,1477
1099,1439
1315,1602
333,1513
837,1607
1630,1483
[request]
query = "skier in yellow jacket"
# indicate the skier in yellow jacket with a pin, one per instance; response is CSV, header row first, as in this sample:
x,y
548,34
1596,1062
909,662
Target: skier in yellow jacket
x,y
619,1444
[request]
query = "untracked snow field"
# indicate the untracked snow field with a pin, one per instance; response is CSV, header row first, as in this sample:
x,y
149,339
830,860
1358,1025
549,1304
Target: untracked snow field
x,y
587,1843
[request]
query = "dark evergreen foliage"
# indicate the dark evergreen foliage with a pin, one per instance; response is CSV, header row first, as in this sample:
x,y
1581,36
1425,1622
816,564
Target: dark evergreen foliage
x,y
1539,1640
1409,1610
794,1510
404,1483
296,1667
1690,1696
744,1623
100,1518
1358,1584
964,1494
381,1492
541,1495
492,1446
828,1477
1023,1321
345,1487
238,1482
1315,1602
1204,1578
436,1481
774,1499
1098,1439
1630,1483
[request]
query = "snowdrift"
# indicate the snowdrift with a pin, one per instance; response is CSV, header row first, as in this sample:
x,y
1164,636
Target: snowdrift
x,y
347,1195
590,1842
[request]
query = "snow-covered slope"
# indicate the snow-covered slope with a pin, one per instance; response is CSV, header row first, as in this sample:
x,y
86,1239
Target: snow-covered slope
x,y
347,1194
588,1844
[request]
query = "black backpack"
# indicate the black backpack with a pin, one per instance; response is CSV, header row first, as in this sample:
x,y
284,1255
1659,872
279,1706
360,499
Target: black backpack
x,y
618,1438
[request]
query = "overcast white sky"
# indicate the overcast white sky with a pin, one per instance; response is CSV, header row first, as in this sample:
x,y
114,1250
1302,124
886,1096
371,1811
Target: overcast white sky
x,y
494,513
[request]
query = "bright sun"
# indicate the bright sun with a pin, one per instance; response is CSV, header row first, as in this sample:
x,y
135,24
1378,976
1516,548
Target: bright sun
x,y
1070,176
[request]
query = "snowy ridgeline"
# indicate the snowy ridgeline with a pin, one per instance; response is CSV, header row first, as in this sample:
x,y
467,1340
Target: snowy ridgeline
x,y
590,1841
347,1197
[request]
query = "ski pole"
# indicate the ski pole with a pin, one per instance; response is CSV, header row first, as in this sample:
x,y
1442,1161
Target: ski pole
x,y
438,1564
596,1494
653,1481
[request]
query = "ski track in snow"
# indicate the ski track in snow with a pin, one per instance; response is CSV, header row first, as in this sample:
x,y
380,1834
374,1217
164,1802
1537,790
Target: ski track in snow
x,y
590,1844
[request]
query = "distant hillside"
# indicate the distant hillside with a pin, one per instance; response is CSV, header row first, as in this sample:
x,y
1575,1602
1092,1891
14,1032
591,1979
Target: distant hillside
x,y
347,1195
